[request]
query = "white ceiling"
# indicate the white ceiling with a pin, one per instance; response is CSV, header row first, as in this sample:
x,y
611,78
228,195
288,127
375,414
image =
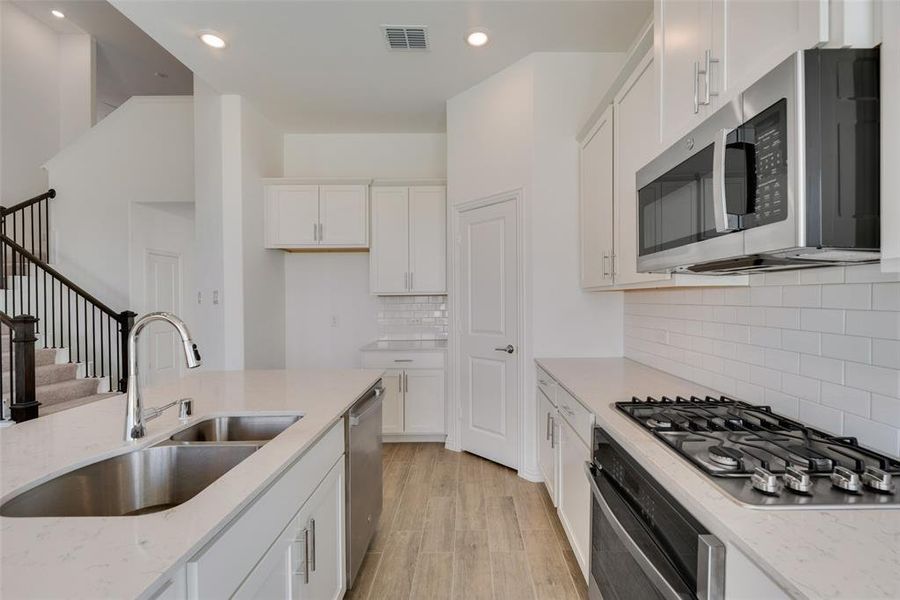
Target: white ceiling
x,y
323,66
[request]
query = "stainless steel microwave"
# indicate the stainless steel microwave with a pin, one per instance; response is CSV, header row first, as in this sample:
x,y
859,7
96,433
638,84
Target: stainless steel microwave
x,y
784,176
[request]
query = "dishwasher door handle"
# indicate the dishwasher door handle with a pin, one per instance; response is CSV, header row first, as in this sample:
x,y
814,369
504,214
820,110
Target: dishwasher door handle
x,y
373,405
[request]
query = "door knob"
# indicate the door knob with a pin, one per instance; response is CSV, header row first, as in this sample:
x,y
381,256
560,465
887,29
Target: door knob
x,y
509,349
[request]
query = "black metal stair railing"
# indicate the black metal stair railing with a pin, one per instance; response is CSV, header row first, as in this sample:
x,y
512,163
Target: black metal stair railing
x,y
64,314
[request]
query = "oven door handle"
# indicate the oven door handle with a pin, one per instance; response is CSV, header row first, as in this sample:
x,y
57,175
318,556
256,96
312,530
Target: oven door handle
x,y
724,222
658,580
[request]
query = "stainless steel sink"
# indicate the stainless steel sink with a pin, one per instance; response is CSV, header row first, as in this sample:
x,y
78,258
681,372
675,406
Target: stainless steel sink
x,y
236,429
137,483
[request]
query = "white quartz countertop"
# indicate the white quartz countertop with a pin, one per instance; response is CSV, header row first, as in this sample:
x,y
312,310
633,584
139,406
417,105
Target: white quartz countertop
x,y
853,554
126,557
405,346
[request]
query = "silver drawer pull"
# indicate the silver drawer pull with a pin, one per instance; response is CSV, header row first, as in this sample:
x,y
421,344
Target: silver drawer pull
x,y
403,360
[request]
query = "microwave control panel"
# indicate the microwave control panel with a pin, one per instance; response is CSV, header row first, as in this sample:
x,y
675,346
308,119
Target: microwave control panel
x,y
767,132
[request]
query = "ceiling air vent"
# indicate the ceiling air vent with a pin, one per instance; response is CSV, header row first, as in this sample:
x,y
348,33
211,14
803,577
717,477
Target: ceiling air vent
x,y
400,37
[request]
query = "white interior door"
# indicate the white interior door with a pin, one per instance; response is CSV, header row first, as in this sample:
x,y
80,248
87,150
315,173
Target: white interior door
x,y
489,323
158,340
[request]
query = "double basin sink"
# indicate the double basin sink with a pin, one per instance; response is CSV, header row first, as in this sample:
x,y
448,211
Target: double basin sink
x,y
151,479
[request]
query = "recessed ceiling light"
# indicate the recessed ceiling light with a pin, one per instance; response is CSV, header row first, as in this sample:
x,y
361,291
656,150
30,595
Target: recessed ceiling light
x,y
477,38
213,40
58,14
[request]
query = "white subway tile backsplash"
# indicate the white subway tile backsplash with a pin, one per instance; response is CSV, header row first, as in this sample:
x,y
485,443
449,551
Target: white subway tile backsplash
x,y
886,296
826,369
417,318
807,342
818,319
847,347
874,323
886,353
809,296
819,344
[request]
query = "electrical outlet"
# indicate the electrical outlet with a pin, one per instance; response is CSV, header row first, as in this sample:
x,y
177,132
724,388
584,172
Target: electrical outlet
x,y
334,320
215,296
199,297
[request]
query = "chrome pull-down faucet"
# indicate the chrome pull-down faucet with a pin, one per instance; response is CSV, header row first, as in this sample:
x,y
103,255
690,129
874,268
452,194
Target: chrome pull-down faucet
x,y
134,410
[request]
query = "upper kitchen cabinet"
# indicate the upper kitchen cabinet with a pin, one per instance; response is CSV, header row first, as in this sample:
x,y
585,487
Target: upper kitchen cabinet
x,y
636,134
707,51
316,216
596,204
409,254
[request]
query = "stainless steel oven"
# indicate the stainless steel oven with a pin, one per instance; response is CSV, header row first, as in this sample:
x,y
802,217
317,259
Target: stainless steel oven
x,y
644,544
786,175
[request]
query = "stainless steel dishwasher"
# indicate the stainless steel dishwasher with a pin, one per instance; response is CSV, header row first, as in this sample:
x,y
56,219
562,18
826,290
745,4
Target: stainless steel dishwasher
x,y
364,486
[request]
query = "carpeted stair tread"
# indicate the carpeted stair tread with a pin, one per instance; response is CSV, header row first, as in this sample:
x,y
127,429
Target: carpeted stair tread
x,y
47,374
66,404
55,393
42,356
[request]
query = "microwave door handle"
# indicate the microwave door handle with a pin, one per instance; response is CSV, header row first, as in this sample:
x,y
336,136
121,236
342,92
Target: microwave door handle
x,y
724,221
653,574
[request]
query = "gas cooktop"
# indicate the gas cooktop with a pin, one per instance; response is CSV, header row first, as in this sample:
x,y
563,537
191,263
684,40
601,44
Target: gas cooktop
x,y
766,460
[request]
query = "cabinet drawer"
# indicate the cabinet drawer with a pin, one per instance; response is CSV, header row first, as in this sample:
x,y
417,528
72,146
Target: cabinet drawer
x,y
218,570
580,418
547,385
403,360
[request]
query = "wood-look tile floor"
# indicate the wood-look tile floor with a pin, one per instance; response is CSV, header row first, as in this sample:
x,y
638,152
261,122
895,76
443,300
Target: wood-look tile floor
x,y
456,526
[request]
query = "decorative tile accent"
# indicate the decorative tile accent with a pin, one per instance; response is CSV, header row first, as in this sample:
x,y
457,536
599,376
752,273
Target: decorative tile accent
x,y
412,318
805,342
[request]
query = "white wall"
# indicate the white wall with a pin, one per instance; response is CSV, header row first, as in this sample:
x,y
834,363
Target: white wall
x,y
385,155
264,287
142,153
46,99
29,105
319,287
516,131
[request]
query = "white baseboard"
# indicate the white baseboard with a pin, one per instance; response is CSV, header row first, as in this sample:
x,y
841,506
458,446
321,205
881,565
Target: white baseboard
x,y
533,476
392,438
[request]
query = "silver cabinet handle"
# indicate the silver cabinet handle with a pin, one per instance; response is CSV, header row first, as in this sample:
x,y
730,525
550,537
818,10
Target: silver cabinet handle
x,y
708,60
552,431
606,265
312,544
612,265
321,232
696,87
302,567
547,437
509,349
403,360
411,284
406,280
315,232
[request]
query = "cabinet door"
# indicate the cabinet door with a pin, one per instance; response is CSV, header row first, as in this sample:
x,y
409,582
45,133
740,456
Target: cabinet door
x,y
428,239
754,37
596,204
682,31
344,215
272,577
292,215
423,401
392,402
637,142
547,434
323,518
575,494
389,255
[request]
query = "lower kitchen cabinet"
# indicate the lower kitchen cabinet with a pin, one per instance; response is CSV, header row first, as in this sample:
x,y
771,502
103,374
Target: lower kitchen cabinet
x,y
548,433
413,401
575,494
289,543
307,560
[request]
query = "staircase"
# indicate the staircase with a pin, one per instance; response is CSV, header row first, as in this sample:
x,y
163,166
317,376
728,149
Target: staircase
x,y
59,346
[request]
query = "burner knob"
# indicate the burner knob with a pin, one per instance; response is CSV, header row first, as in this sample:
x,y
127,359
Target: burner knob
x,y
845,479
878,480
797,479
765,481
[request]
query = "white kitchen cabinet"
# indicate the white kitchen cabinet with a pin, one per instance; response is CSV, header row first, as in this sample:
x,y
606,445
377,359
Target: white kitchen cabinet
x,y
343,215
408,254
596,204
304,562
548,432
575,494
392,402
256,553
636,133
316,216
413,402
423,401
